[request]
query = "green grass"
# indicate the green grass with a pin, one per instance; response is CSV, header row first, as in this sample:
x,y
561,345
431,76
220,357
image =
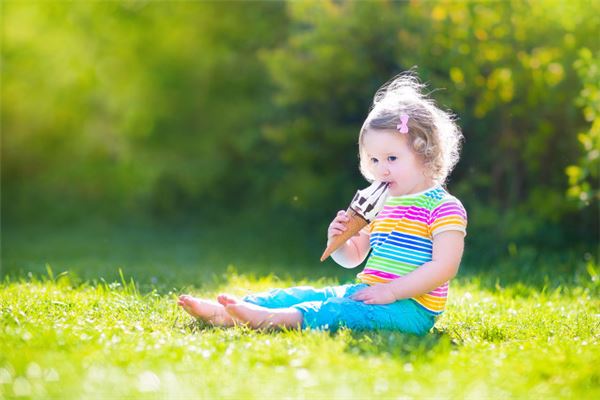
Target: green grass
x,y
92,333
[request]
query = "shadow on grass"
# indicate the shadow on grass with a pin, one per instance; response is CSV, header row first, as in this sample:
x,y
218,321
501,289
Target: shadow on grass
x,y
380,343
399,345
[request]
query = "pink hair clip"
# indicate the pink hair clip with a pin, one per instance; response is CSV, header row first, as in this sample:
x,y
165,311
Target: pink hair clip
x,y
403,126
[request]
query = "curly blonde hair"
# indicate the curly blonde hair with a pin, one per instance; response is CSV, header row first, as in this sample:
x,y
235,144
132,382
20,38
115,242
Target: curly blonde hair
x,y
433,134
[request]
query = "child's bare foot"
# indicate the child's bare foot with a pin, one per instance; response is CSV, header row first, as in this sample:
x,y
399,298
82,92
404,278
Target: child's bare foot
x,y
208,311
227,299
258,317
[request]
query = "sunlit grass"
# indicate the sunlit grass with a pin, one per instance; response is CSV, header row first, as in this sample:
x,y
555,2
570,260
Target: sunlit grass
x,y
61,340
92,334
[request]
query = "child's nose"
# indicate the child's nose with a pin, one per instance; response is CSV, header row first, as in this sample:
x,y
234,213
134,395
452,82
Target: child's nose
x,y
383,170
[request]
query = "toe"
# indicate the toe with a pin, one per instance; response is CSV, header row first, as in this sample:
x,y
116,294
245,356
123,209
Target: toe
x,y
225,300
182,303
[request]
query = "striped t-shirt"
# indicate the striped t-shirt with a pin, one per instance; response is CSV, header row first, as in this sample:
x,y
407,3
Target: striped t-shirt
x,y
401,238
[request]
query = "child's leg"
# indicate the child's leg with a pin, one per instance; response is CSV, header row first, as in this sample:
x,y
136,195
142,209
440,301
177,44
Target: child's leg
x,y
272,309
403,315
208,311
283,298
258,317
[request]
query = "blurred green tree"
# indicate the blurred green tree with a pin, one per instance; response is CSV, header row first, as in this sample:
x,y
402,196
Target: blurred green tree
x,y
507,68
132,105
584,177
255,107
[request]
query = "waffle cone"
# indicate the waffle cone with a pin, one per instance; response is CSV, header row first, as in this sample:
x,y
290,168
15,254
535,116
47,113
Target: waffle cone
x,y
354,225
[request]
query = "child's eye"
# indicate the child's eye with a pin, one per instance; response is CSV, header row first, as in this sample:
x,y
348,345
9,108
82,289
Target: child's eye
x,y
374,160
392,158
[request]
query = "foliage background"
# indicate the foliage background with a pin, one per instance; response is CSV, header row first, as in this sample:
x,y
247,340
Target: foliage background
x,y
246,113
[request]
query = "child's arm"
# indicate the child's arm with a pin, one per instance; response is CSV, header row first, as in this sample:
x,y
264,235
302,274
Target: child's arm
x,y
447,252
353,252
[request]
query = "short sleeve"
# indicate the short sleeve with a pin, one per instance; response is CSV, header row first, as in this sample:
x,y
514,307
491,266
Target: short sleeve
x,y
448,215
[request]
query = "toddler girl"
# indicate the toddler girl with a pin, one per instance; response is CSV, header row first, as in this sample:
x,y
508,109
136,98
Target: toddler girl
x,y
416,240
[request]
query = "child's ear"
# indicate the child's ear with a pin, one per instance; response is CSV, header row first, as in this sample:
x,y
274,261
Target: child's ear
x,y
427,172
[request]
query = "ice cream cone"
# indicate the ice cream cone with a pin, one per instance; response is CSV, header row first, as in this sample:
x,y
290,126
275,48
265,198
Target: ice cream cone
x,y
353,226
364,207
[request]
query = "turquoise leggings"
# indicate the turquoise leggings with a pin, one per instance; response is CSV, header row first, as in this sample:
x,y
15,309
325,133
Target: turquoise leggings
x,y
331,308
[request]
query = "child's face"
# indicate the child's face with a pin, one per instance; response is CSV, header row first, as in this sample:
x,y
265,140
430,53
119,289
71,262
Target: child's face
x,y
390,159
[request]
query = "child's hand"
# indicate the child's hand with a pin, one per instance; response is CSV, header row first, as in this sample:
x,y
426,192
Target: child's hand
x,y
380,293
338,225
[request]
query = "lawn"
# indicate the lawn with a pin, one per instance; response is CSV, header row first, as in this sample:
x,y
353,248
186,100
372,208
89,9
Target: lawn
x,y
90,313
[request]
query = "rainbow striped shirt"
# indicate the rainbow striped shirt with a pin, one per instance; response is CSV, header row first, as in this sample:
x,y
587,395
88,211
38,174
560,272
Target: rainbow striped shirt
x,y
402,238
